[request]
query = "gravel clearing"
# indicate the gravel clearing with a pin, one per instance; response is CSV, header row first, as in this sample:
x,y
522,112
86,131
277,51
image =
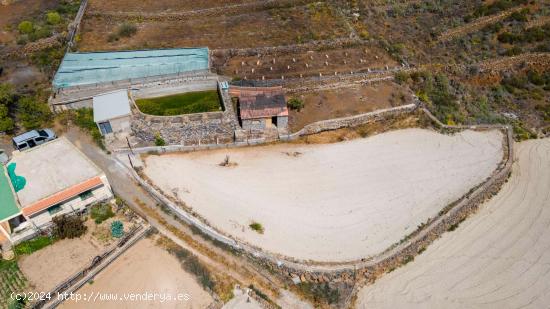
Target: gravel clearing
x,y
330,202
499,258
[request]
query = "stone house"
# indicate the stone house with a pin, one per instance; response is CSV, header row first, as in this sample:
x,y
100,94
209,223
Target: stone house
x,y
262,108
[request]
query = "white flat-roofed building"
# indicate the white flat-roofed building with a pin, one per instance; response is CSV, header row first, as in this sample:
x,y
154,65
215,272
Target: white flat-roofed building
x,y
59,180
112,112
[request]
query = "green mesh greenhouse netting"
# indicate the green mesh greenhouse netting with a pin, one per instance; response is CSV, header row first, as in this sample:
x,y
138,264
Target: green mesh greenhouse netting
x,y
78,69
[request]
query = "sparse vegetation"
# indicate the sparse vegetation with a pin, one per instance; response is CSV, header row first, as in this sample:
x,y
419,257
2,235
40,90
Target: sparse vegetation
x,y
68,226
84,119
101,212
258,227
319,292
295,104
12,280
159,141
33,245
190,263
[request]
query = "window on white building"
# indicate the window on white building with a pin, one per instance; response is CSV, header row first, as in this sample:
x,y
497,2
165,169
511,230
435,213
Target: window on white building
x,y
55,209
86,195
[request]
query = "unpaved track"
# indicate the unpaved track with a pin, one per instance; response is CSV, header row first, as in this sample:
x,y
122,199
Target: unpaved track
x,y
333,202
500,258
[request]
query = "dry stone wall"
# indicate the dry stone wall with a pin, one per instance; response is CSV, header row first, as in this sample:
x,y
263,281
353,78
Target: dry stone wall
x,y
190,129
349,273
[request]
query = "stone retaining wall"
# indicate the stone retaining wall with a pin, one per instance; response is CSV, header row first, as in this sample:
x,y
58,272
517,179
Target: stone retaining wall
x,y
395,256
189,129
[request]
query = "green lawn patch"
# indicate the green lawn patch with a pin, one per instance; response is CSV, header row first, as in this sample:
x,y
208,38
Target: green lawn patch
x,y
179,104
33,245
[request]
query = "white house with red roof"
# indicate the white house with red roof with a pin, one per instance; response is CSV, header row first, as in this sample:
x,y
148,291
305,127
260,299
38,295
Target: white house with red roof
x,y
59,180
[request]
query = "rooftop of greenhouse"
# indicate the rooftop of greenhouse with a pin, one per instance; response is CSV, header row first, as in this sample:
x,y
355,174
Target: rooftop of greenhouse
x,y
78,69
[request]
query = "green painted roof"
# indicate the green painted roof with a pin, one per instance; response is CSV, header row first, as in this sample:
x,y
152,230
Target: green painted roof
x,y
8,205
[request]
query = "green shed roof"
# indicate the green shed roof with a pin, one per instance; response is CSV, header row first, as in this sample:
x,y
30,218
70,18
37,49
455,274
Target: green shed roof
x,y
8,205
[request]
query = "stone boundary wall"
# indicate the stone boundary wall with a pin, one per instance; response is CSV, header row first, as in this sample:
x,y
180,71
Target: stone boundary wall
x,y
209,127
365,269
292,48
316,127
74,27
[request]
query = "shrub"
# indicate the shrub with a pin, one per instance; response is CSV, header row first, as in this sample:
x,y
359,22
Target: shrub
x,y
101,212
25,27
117,229
68,227
257,227
159,141
6,99
295,104
320,292
84,118
53,18
40,33
112,37
126,30
516,50
33,245
401,77
33,114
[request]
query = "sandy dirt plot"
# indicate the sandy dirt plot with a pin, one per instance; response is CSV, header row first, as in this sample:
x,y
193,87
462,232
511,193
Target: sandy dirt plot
x,y
330,202
48,267
327,104
499,258
145,268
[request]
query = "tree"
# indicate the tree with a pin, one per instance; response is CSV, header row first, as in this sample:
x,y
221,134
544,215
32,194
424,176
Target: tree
x,y
6,99
53,18
6,123
25,27
68,227
32,113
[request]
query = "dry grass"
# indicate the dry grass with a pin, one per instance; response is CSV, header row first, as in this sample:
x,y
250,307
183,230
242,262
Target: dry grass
x,y
271,27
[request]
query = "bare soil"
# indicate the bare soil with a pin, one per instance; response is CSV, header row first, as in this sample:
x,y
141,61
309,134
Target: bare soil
x,y
159,5
310,63
269,27
48,267
145,268
333,202
328,104
497,258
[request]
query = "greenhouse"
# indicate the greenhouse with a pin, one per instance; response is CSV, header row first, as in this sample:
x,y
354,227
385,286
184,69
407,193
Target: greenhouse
x,y
79,69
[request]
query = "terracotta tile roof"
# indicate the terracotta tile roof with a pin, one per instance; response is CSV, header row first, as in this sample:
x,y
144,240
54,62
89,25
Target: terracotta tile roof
x,y
62,196
256,102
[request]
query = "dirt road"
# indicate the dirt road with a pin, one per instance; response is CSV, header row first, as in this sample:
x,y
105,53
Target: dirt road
x,y
499,258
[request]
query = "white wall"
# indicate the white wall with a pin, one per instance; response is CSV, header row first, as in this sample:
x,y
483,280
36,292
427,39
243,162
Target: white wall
x,y
76,203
